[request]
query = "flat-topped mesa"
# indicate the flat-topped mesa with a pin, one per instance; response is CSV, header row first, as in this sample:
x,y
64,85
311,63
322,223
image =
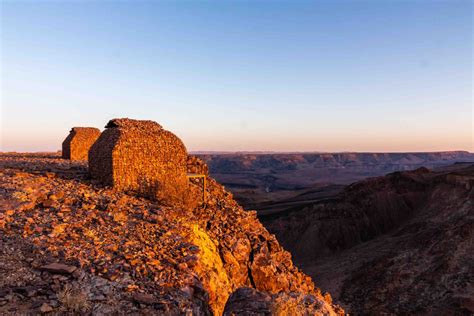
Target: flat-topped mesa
x,y
139,156
77,144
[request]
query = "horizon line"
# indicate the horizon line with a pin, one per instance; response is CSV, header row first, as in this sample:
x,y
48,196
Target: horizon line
x,y
263,152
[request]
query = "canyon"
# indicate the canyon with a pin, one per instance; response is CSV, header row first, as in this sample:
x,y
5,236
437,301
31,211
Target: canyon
x,y
400,243
388,234
259,180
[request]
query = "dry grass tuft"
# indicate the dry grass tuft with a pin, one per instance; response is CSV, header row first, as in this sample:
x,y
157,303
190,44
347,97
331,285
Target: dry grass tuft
x,y
73,299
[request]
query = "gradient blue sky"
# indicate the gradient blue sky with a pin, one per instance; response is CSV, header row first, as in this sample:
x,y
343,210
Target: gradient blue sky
x,y
244,75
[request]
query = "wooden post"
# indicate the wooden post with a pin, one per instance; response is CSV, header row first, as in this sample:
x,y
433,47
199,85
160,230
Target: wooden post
x,y
199,176
204,188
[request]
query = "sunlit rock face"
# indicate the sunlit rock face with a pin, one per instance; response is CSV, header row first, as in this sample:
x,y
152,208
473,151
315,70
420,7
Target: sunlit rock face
x,y
128,252
248,301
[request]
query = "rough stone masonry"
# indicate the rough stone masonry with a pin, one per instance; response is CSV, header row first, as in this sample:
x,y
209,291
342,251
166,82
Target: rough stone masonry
x,y
77,144
138,156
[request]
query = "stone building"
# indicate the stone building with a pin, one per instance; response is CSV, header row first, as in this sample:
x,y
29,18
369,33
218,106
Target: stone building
x,y
138,156
77,144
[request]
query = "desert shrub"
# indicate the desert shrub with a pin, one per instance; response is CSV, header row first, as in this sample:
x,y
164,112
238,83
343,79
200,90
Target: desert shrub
x,y
73,299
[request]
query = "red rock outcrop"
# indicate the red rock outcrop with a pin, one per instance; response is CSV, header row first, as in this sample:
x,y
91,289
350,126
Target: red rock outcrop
x,y
150,258
248,301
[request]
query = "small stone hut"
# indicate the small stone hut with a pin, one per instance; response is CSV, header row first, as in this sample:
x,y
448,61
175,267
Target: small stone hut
x,y
77,144
138,156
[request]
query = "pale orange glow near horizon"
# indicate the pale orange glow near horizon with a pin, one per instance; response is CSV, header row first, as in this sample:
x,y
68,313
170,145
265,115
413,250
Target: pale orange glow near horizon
x,y
23,140
228,77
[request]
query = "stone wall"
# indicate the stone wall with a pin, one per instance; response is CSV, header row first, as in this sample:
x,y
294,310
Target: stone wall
x,y
77,144
139,156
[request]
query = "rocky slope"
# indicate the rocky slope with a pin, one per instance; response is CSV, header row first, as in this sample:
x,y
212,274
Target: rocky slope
x,y
69,245
261,179
398,244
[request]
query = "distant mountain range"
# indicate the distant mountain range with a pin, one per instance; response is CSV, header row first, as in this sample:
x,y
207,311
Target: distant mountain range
x,y
257,178
384,233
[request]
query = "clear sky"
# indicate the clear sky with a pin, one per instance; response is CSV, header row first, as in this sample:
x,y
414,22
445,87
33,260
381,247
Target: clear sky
x,y
242,75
